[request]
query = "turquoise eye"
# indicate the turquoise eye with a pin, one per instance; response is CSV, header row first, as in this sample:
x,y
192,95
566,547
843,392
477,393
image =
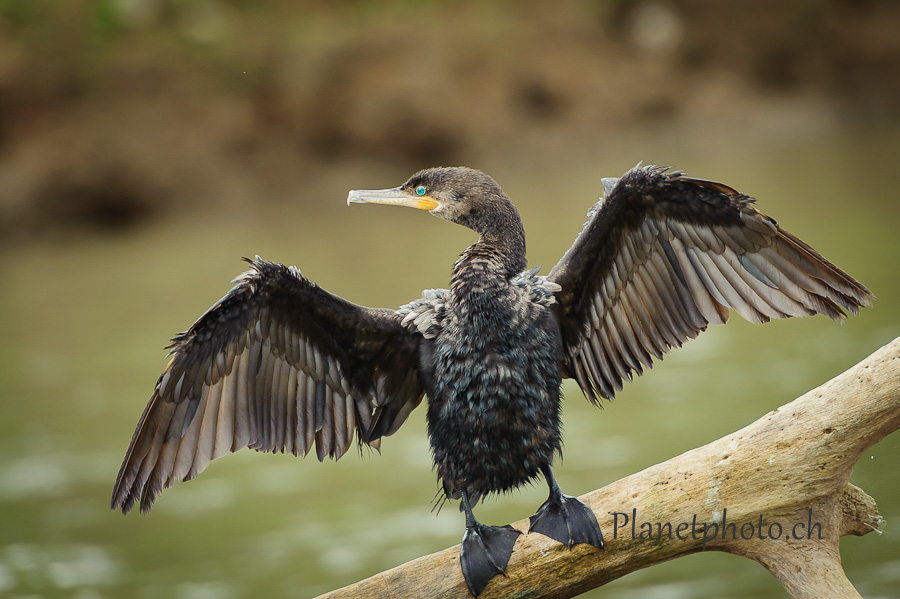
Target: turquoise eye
x,y
420,190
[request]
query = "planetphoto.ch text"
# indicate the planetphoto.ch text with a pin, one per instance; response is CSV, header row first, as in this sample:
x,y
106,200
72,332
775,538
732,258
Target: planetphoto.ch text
x,y
629,525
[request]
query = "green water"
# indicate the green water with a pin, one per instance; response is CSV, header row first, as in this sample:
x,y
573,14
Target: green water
x,y
84,320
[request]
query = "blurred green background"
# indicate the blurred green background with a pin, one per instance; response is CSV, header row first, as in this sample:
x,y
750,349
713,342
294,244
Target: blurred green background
x,y
146,145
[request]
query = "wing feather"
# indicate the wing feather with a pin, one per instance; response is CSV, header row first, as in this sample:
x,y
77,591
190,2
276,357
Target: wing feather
x,y
278,365
185,445
708,306
280,413
662,257
242,433
207,438
311,409
340,423
641,343
324,424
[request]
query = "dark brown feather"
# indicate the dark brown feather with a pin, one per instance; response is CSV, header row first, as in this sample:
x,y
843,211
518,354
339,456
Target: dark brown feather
x,y
276,365
665,255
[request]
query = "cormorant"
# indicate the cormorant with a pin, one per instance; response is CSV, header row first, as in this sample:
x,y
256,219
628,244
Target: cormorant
x,y
281,365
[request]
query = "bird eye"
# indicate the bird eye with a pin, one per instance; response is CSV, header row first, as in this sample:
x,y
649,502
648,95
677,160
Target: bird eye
x,y
420,190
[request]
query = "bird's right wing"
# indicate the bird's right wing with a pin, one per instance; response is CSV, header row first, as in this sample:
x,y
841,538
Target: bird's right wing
x,y
663,256
278,365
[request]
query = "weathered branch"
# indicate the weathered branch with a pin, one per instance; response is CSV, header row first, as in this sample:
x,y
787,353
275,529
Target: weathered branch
x,y
786,476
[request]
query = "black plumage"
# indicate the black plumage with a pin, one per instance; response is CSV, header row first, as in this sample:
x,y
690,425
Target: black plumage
x,y
279,364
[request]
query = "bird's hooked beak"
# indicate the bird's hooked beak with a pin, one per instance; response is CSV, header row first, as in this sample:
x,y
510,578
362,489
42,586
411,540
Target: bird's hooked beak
x,y
395,196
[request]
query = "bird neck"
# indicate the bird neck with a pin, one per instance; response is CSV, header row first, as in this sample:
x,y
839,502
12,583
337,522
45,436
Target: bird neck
x,y
485,268
507,243
489,264
502,237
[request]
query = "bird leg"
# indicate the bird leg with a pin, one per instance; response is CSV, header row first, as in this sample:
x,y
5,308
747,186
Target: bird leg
x,y
485,550
565,518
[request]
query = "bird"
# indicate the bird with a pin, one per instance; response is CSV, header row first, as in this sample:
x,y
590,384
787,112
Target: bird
x,y
281,365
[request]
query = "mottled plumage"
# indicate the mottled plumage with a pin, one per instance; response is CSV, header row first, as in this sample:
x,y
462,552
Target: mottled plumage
x,y
492,375
281,365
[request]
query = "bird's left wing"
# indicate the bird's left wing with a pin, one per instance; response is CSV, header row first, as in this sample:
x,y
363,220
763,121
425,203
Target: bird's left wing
x,y
663,256
278,365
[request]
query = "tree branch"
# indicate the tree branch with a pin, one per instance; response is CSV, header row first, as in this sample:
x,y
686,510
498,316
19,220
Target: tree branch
x,y
776,491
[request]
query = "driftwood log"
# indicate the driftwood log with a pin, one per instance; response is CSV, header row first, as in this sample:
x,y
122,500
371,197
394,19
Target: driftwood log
x,y
776,491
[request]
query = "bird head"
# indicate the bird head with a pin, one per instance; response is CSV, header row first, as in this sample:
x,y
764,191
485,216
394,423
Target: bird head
x,y
461,195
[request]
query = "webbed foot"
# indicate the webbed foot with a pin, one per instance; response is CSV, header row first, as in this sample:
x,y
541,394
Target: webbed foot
x,y
566,519
485,552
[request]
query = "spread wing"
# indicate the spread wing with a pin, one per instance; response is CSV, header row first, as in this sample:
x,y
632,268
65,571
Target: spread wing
x,y
662,257
278,365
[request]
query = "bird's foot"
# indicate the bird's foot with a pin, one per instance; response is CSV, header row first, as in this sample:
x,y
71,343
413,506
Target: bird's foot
x,y
567,520
485,552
